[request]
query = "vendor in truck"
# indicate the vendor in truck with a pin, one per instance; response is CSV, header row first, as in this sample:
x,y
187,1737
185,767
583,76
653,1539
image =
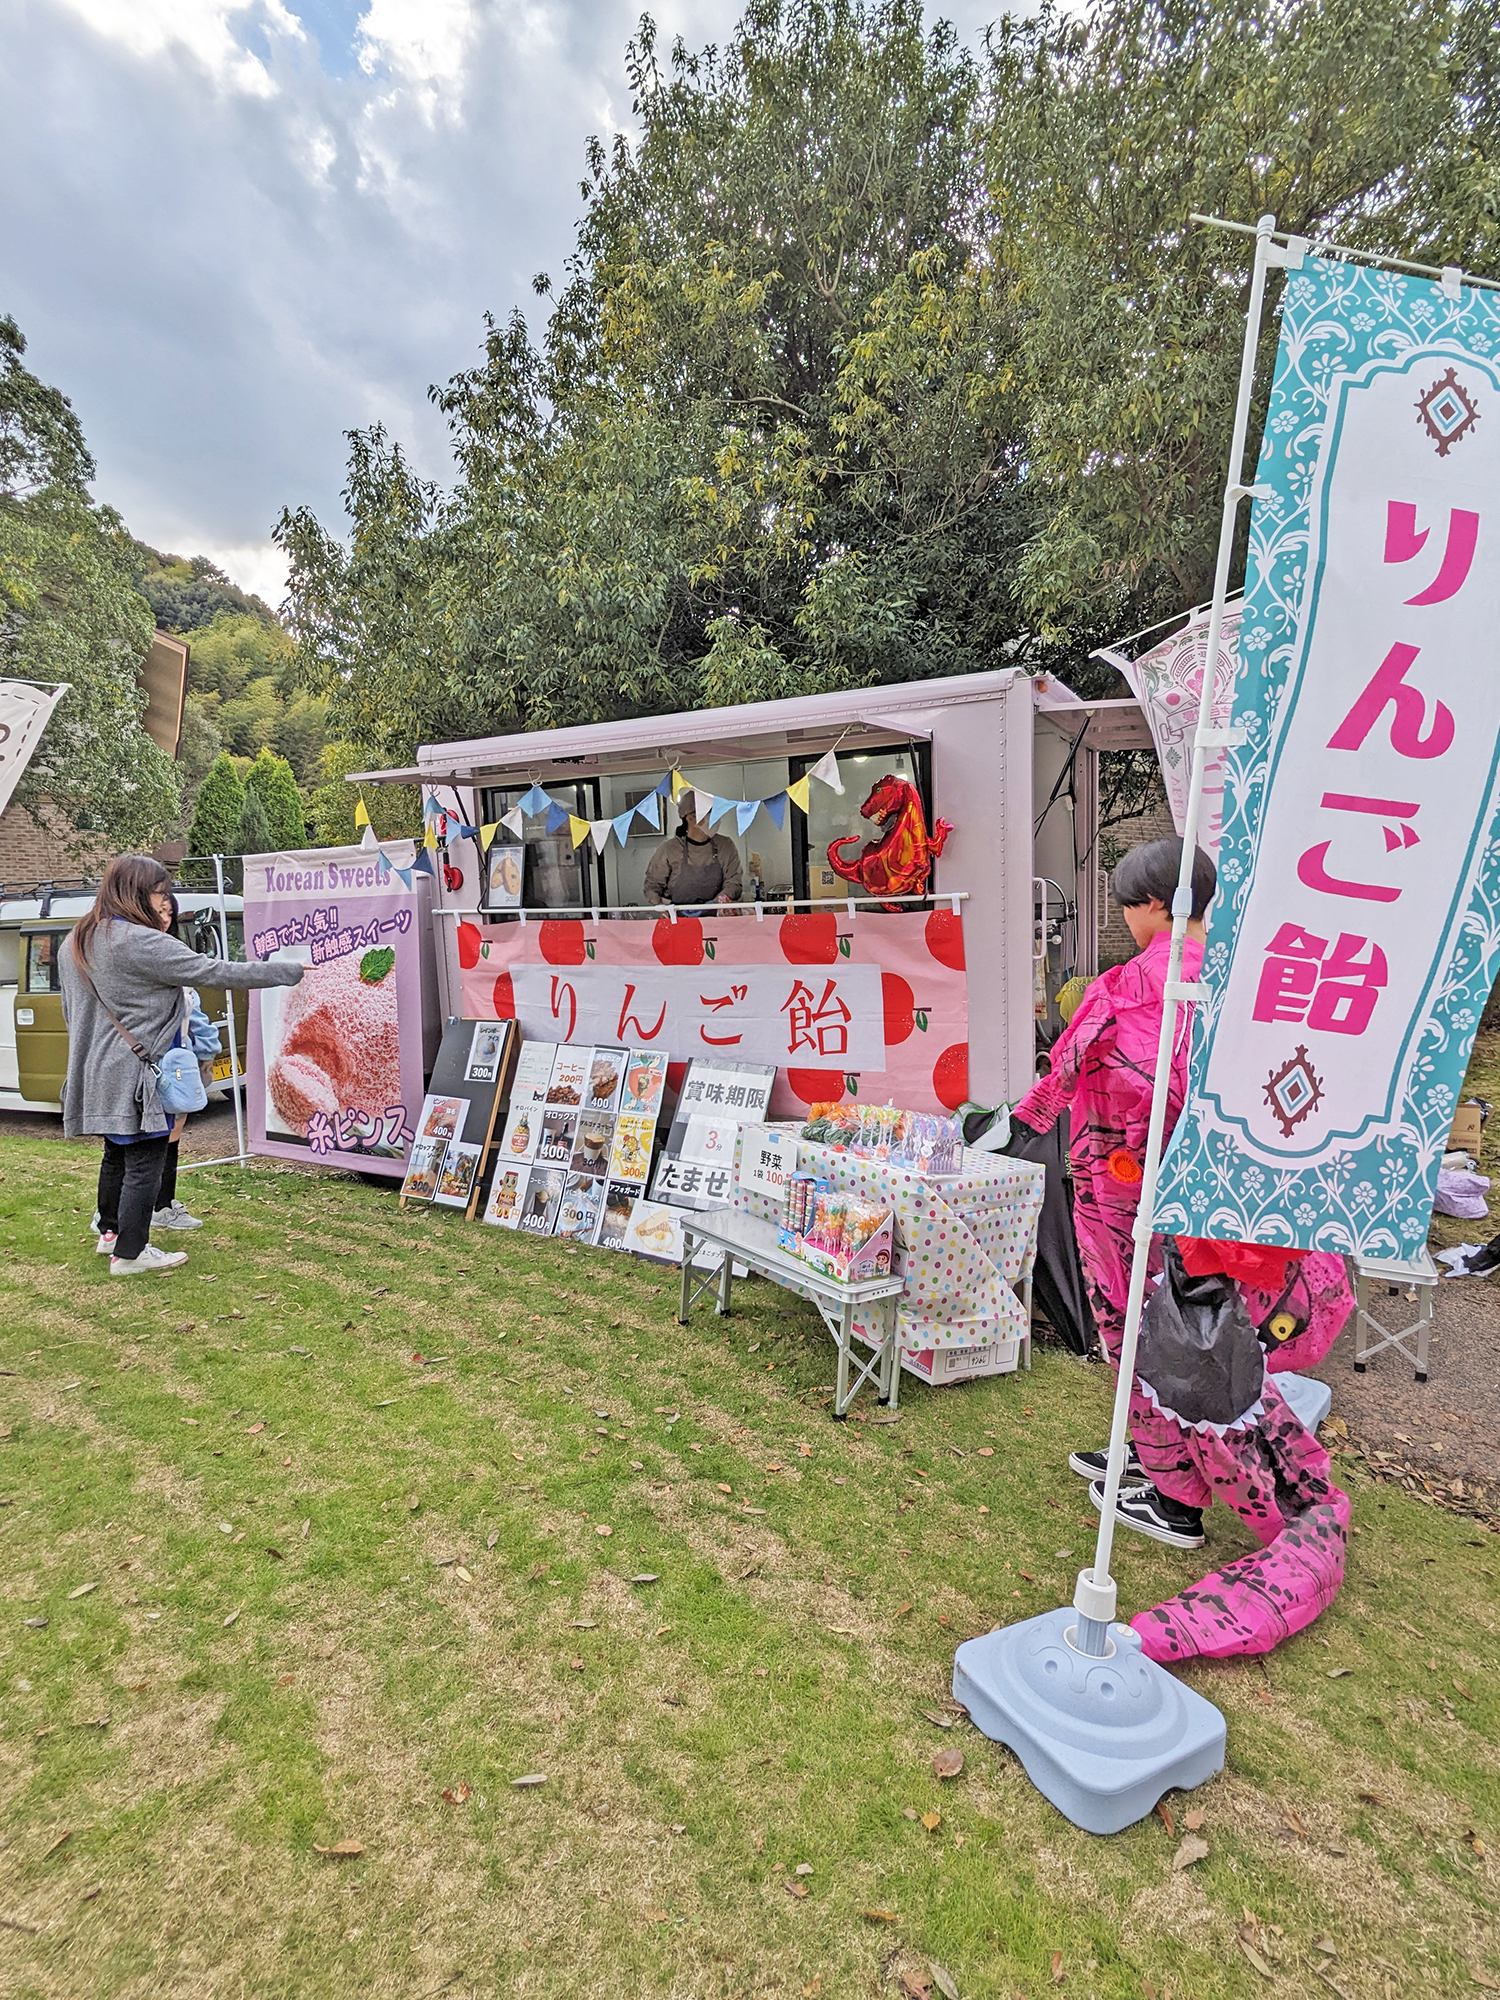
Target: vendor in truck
x,y
695,868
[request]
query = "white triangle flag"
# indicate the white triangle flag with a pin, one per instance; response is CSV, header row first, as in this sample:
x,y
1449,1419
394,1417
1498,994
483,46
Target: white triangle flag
x,y
367,838
514,822
703,805
827,769
601,829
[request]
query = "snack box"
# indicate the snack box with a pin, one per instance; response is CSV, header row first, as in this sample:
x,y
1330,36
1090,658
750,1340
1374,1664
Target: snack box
x,y
871,1260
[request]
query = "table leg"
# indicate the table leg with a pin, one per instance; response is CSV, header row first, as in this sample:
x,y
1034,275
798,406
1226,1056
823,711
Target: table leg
x,y
1424,1327
893,1394
726,1277
687,1277
841,1379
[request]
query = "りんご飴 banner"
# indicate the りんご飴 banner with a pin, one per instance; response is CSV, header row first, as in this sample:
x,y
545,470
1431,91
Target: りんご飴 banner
x,y
334,1064
874,1006
1357,928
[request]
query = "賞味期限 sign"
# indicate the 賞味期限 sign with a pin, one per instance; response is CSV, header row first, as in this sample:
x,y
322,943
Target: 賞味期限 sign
x,y
1357,928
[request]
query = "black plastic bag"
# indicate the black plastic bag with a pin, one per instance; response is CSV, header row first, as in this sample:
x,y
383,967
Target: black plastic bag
x,y
1198,1350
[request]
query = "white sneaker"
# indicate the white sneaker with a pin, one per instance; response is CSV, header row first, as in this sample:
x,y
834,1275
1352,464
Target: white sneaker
x,y
174,1216
105,1247
94,1225
150,1259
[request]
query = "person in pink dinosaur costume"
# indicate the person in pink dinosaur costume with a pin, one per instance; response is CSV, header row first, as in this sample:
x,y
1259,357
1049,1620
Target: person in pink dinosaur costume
x,y
1267,1467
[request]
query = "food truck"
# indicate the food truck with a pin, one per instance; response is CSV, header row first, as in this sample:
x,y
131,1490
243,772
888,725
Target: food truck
x,y
540,844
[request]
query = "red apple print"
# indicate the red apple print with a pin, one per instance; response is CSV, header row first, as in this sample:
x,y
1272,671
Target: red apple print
x,y
950,1075
469,941
817,1086
900,1008
562,941
945,939
680,943
810,940
503,999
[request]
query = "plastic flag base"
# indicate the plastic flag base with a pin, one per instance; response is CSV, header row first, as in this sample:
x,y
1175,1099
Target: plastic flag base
x,y
1310,1399
1103,1739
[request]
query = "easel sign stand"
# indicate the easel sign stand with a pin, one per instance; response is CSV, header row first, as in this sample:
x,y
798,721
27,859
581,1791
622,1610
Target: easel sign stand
x,y
1102,1731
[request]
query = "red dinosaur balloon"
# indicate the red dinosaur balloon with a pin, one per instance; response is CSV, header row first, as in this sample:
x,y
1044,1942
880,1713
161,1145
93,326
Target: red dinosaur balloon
x,y
900,862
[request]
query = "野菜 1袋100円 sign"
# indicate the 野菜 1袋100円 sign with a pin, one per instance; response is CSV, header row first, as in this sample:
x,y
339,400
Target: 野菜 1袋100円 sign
x,y
1357,929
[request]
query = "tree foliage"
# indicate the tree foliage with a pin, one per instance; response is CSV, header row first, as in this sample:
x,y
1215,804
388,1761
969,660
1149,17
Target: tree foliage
x,y
219,811
270,778
255,827
875,362
68,612
395,810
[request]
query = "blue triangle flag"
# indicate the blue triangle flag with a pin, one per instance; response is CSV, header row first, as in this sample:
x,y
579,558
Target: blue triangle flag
x,y
745,812
557,817
621,824
468,833
649,810
718,809
664,789
535,801
423,863
405,874
777,809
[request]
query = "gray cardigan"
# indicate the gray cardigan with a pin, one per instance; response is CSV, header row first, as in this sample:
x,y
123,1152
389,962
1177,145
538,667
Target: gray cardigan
x,y
139,975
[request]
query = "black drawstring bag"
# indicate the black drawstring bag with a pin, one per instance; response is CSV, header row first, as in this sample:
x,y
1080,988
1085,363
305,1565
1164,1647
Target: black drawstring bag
x,y
1199,1352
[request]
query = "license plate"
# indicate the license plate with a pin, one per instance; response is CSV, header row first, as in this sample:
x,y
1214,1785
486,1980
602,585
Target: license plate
x,y
222,1071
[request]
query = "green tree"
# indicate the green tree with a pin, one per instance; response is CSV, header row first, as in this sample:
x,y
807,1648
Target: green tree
x,y
187,593
270,777
219,811
68,612
255,827
395,810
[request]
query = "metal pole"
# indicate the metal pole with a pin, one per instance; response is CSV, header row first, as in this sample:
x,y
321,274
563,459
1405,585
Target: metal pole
x,y
240,1157
1096,1594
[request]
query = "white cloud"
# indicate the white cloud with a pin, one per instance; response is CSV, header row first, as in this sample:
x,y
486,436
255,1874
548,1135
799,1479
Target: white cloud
x,y
239,228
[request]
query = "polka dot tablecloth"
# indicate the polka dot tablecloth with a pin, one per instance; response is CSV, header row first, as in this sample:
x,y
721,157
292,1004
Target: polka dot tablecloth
x,y
961,1244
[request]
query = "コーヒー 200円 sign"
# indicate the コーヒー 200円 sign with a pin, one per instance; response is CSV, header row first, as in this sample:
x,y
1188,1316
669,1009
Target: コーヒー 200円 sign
x,y
1357,929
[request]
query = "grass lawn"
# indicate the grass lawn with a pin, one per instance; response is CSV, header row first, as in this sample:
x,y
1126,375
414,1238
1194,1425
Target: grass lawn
x,y
334,1534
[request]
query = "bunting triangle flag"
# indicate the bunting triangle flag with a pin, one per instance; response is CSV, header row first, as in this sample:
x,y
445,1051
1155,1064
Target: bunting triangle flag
x,y
578,829
777,809
703,804
718,809
648,809
429,839
423,864
679,783
514,822
468,833
599,832
744,812
826,770
621,824
799,793
558,817
404,873
487,834
666,789
367,839
535,801
361,812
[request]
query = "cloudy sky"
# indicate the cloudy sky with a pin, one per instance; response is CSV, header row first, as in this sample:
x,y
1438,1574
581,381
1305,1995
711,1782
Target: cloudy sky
x,y
235,229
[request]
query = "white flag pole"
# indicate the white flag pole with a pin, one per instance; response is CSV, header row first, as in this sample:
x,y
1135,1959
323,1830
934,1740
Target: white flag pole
x,y
1095,1598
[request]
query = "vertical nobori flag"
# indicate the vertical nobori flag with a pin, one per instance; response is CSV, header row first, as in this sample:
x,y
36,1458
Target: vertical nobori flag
x,y
1357,929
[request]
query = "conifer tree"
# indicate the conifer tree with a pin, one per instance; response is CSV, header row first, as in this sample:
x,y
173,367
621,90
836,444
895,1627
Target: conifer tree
x,y
220,807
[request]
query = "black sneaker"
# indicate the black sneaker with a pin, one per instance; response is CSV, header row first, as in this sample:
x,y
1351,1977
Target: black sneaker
x,y
1152,1513
1095,1465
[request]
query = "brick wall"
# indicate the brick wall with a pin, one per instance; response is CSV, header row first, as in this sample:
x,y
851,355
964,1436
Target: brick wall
x,y
31,852
1115,942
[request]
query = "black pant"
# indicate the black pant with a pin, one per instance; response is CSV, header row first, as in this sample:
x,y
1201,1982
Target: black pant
x,y
129,1180
167,1192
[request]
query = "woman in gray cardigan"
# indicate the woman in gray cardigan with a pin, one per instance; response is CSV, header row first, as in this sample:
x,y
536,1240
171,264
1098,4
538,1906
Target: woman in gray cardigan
x,y
118,960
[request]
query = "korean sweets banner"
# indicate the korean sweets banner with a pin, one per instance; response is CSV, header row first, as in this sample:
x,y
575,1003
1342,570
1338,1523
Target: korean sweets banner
x,y
871,1007
330,1072
1356,933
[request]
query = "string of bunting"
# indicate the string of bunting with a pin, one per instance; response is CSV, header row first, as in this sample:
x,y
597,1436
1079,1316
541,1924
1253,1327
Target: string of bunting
x,y
709,809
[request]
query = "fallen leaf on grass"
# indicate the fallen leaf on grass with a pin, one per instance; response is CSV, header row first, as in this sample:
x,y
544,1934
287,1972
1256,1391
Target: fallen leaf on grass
x,y
1465,1692
491,1538
1256,1960
82,1590
948,1762
603,1529
89,1895
233,1616
803,1868
576,1665
931,1715
647,1576
1338,1673
342,1850
932,1821
908,1812
881,1916
1293,1823
412,1503
531,1780
458,1795
903,1611
914,1986
1057,1968
797,1889
585,1624
1164,1814
286,1681
1193,1849
943,1979
1193,1821
306,1529
38,1624
1483,1979
255,1430
657,1917
276,1553
462,1574
1474,1844
722,1487
61,1841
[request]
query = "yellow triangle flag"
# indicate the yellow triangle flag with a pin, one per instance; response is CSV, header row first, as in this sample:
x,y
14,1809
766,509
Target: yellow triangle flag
x,y
798,793
679,784
430,839
361,813
578,828
487,834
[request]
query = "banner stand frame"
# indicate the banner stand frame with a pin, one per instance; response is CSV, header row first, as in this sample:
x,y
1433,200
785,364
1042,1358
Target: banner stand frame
x,y
241,1158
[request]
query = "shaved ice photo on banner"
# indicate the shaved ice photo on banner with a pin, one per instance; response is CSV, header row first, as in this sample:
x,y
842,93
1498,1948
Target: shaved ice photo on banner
x,y
329,1072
